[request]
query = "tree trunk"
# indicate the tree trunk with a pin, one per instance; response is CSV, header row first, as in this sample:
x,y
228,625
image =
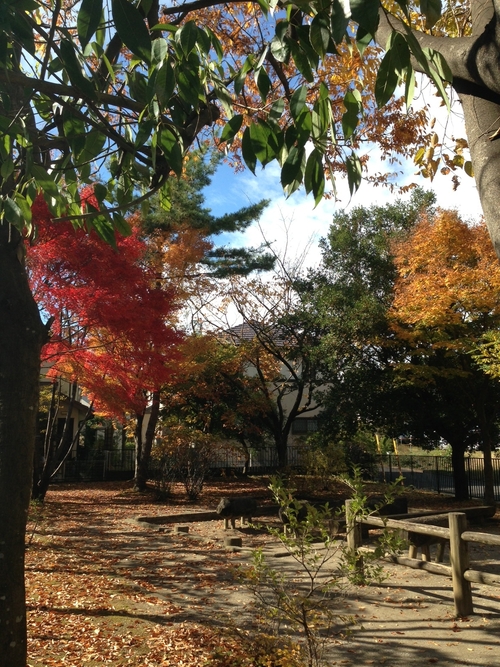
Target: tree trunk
x,y
282,450
487,430
460,478
142,467
22,335
55,455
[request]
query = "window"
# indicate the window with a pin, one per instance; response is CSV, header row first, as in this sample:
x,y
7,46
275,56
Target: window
x,y
304,425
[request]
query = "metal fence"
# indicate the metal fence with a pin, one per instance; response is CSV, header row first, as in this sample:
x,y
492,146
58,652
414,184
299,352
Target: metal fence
x,y
435,473
104,466
432,473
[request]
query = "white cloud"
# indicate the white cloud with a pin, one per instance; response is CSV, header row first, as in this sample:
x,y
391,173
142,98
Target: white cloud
x,y
293,225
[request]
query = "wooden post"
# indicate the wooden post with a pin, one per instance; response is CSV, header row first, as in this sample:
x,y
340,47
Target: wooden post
x,y
459,560
354,535
353,527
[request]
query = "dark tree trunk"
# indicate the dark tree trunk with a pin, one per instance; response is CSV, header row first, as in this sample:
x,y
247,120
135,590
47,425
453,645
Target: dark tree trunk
x,y
54,457
460,478
143,458
22,335
281,442
487,430
139,421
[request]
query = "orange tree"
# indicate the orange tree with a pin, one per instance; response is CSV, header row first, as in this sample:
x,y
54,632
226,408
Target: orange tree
x,y
210,392
132,85
446,298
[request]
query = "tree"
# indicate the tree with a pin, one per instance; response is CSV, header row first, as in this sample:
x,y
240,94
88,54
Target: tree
x,y
278,338
111,330
211,393
182,239
350,294
446,300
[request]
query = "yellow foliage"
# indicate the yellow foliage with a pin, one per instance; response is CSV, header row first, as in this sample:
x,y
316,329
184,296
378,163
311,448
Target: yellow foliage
x,y
449,277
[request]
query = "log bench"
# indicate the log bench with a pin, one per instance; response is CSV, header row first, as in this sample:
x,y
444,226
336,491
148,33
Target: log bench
x,y
424,542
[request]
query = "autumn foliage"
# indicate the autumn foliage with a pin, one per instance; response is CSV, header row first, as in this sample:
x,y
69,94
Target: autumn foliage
x,y
449,278
110,323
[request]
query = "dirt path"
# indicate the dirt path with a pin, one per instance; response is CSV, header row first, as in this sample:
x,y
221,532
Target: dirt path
x,y
104,589
408,620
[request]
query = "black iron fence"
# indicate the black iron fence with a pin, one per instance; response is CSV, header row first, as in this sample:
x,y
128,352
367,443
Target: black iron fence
x,y
435,473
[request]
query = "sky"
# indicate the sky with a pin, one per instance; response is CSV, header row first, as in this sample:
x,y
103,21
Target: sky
x,y
295,224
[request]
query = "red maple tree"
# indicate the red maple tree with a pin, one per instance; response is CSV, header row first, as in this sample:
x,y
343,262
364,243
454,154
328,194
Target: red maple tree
x,y
112,327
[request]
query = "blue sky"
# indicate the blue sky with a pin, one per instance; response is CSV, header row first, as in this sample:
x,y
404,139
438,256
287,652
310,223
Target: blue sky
x,y
296,222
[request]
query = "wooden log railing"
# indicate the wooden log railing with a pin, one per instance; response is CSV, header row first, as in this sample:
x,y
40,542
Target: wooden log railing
x,y
459,569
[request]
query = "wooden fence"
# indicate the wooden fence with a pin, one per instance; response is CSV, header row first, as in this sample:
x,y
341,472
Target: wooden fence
x,y
462,575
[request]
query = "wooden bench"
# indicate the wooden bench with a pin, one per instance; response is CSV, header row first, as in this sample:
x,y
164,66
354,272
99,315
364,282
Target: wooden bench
x,y
424,542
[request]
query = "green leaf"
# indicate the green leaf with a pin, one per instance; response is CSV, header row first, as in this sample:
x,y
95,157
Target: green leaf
x,y
93,146
392,68
74,69
279,44
187,36
439,64
276,110
100,192
339,22
7,167
88,19
165,83
12,213
354,172
350,119
263,83
159,50
247,151
74,131
431,9
190,88
468,169
363,39
239,80
216,44
44,181
292,169
231,128
319,34
170,145
25,208
302,61
22,31
387,80
104,228
409,86
366,14
298,101
131,28
423,59
314,176
121,225
304,125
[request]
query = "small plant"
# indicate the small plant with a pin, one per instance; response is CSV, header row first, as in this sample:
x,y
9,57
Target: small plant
x,y
365,568
185,455
305,601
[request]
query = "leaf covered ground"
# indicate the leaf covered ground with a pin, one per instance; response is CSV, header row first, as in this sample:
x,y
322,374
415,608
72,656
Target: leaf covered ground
x,y
102,589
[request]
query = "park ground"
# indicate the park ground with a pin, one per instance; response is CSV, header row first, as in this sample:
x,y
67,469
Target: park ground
x,y
106,589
